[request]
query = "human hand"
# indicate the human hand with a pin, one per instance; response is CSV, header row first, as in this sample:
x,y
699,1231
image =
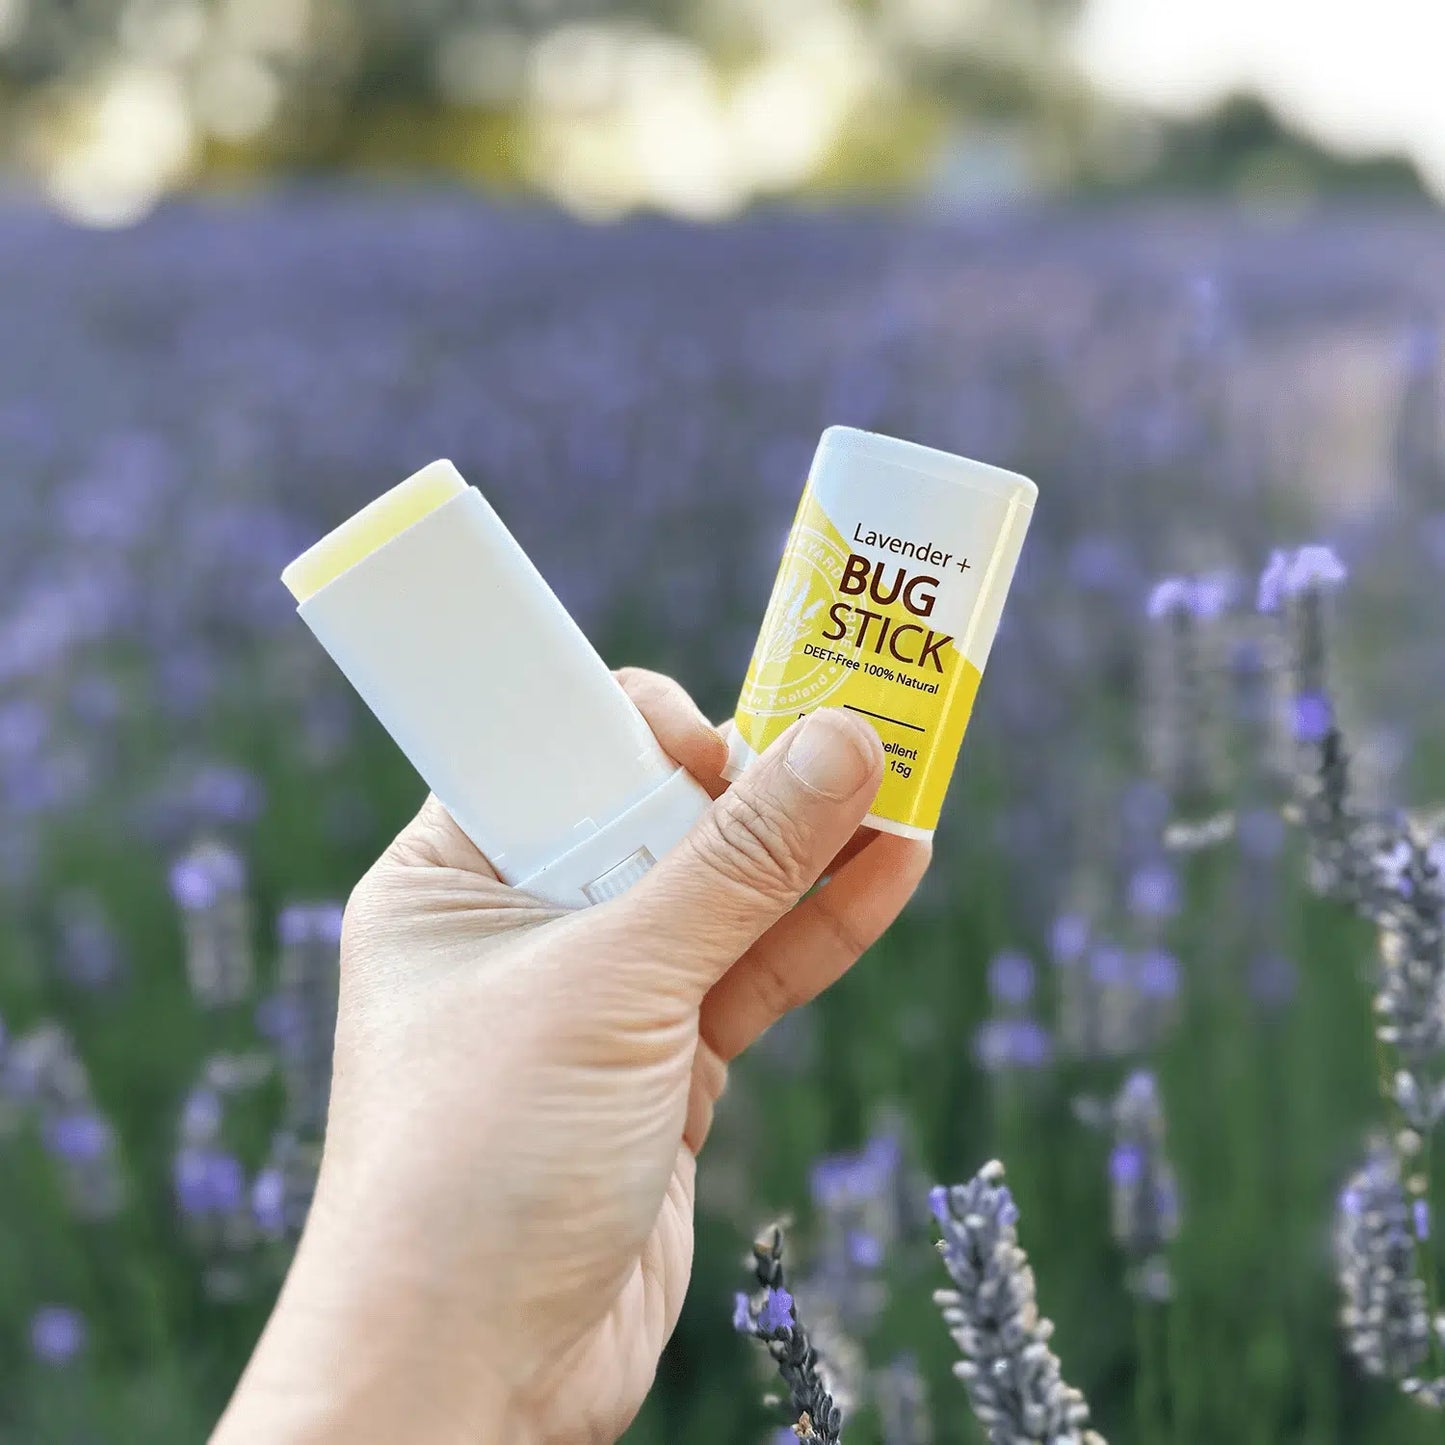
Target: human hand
x,y
502,1234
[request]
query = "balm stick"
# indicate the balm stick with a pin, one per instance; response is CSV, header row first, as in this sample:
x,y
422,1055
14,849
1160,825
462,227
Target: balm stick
x,y
890,592
453,639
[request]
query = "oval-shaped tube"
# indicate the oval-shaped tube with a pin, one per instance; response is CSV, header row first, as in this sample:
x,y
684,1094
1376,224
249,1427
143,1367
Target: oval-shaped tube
x,y
457,644
889,594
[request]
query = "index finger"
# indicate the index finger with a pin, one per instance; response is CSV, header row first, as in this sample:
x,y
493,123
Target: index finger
x,y
678,724
814,944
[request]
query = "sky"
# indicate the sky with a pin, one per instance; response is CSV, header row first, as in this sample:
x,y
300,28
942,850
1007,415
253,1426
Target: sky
x,y
1363,76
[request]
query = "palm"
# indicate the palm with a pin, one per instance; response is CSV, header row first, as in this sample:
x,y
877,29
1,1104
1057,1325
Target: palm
x,y
604,1378
633,1293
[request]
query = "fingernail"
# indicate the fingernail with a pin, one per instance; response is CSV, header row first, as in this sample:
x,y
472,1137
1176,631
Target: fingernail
x,y
830,755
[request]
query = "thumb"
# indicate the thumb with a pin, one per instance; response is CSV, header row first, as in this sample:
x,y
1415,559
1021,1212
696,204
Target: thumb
x,y
758,849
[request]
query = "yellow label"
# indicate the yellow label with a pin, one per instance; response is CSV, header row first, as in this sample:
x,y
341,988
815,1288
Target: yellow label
x,y
852,625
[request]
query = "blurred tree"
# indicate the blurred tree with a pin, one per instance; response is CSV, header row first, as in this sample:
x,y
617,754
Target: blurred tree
x,y
113,102
1242,145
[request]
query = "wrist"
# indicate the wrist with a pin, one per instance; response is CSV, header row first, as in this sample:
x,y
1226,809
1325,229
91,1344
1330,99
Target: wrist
x,y
351,1406
335,1366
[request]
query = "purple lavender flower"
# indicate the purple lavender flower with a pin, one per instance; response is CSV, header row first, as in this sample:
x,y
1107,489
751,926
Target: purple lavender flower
x,y
43,1068
865,1249
773,1319
1011,980
837,1177
1184,708
1203,597
1121,1003
1126,1165
310,937
1170,595
202,878
1069,938
1299,586
939,1203
1004,1045
775,1316
1409,909
1291,574
209,886
268,1202
1157,974
78,1137
208,1182
222,795
1109,965
1384,1315
302,923
1144,1192
1314,716
1013,1379
58,1335
858,1202
84,1147
284,1187
1154,891
201,1116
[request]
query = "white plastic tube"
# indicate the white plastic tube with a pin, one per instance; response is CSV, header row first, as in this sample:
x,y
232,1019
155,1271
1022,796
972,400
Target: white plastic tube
x,y
456,643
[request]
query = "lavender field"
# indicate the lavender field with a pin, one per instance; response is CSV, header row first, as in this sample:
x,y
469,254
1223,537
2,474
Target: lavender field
x,y
1179,964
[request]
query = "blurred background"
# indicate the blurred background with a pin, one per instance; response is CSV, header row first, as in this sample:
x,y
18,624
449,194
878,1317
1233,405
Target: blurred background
x,y
1183,264
704,108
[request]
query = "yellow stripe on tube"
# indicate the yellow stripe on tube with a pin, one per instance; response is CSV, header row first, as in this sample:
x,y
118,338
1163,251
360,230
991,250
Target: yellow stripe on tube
x,y
372,528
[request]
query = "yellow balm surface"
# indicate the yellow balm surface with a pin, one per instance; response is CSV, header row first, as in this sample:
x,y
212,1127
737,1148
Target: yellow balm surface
x,y
372,528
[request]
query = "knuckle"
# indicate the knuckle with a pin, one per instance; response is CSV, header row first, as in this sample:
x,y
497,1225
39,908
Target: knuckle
x,y
774,994
852,942
758,846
